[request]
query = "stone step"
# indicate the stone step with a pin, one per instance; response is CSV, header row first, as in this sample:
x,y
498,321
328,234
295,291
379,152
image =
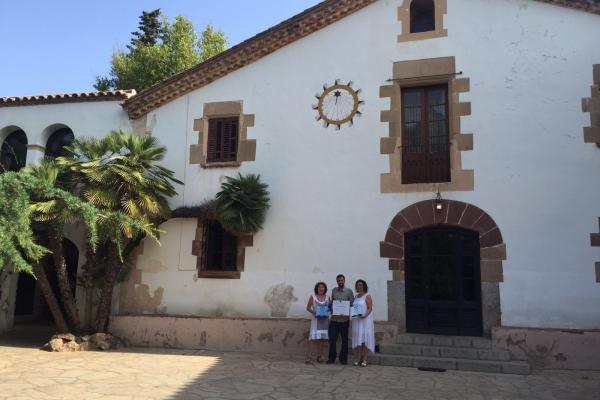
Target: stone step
x,y
505,367
446,352
447,341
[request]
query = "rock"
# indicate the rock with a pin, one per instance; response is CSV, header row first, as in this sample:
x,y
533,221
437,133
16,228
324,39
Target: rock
x,y
68,337
102,345
100,337
85,346
70,346
66,342
54,345
118,343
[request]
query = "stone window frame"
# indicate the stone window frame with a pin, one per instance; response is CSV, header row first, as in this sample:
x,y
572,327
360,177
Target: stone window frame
x,y
591,134
492,251
431,71
242,242
225,109
441,9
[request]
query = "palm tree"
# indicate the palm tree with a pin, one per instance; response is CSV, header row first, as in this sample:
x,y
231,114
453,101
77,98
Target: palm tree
x,y
31,205
52,217
121,172
242,204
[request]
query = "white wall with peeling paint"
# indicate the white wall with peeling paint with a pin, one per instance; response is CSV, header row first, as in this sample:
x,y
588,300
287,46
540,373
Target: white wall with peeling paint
x,y
529,65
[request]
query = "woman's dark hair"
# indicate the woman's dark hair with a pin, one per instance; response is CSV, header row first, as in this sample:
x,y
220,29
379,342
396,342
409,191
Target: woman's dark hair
x,y
364,285
317,287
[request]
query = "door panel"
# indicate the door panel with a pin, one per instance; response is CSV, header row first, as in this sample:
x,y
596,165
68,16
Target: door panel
x,y
443,284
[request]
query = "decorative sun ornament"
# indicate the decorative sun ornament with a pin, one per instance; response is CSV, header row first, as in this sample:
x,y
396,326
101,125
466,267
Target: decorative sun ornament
x,y
338,105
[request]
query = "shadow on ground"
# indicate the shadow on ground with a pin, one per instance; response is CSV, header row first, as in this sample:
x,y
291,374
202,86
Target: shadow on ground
x,y
149,374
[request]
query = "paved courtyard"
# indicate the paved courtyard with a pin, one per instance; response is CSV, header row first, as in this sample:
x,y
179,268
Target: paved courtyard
x,y
28,373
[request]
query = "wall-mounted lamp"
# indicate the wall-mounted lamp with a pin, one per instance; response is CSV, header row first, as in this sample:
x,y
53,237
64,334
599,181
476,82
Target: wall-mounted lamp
x,y
439,204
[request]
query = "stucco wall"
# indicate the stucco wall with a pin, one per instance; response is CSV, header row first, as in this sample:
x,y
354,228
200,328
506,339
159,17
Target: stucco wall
x,y
274,335
529,65
85,119
550,348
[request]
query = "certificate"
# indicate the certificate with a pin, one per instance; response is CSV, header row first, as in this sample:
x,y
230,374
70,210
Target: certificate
x,y
341,307
321,311
358,310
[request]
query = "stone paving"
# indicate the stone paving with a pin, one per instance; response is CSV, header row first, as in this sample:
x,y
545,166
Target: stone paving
x,y
148,374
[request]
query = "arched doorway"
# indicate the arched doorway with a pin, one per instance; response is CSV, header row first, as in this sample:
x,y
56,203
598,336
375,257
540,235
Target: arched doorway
x,y
30,305
443,288
58,140
13,153
453,227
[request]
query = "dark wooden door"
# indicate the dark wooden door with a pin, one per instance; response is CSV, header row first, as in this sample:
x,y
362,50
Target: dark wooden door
x,y
443,281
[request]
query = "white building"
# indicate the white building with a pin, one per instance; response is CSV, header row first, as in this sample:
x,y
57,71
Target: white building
x,y
477,100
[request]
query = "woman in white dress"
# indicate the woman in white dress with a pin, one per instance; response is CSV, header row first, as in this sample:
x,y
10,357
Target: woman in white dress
x,y
318,306
363,328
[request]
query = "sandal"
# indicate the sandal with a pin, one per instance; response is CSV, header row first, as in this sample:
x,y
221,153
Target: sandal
x,y
320,359
363,364
308,361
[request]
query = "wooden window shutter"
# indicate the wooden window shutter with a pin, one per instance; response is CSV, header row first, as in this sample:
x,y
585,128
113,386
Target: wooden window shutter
x,y
425,135
230,137
212,148
222,139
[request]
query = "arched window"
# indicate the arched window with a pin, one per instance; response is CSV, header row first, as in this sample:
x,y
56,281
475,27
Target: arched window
x,y
422,16
55,147
13,153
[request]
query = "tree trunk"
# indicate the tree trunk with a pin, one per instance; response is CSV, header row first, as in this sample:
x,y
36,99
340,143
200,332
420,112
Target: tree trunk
x,y
89,299
4,300
110,277
44,285
66,295
88,284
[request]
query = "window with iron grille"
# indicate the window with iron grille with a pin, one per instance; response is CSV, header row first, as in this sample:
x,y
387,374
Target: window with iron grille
x,y
219,248
425,135
222,139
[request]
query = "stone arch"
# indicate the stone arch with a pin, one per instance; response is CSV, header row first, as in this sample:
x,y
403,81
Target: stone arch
x,y
49,132
59,137
453,213
13,148
7,130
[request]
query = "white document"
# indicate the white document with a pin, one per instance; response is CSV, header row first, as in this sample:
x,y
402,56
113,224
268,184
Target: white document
x,y
358,310
341,307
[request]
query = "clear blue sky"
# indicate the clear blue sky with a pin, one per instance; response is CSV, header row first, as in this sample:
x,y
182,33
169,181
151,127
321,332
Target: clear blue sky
x,y
59,46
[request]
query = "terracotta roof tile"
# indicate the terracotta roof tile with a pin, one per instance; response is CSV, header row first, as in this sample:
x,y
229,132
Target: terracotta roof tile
x,y
592,6
66,98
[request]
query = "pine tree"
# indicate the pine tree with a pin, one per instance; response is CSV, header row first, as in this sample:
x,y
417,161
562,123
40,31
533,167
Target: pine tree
x,y
159,50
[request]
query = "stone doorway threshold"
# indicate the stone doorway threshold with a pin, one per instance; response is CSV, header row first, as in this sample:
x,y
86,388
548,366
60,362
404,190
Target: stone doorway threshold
x,y
442,353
